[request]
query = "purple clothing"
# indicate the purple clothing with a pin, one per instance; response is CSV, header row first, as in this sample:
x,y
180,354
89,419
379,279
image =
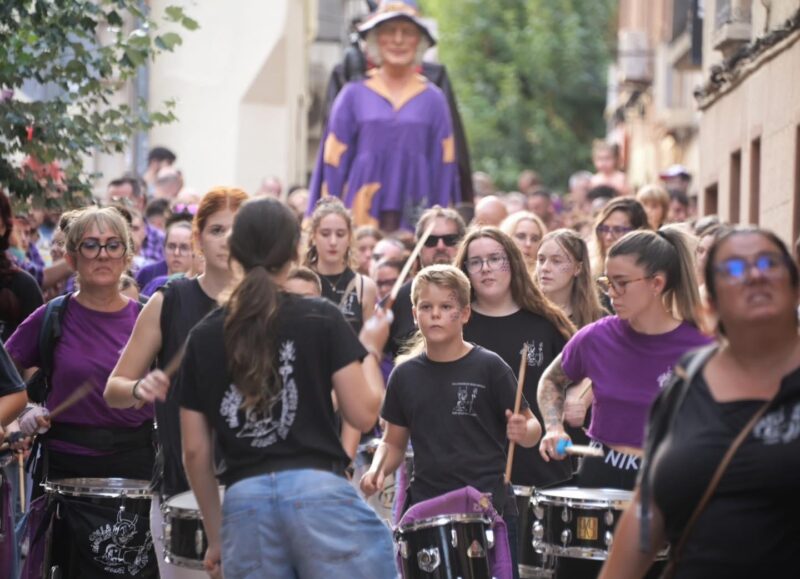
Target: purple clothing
x,y
153,285
627,370
88,350
381,156
149,272
470,501
153,245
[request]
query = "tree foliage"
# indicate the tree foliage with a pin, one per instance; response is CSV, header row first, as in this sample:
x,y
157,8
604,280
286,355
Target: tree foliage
x,y
530,77
81,53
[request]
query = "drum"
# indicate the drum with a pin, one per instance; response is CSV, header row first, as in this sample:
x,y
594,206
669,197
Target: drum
x,y
446,547
108,523
184,536
383,501
578,522
532,565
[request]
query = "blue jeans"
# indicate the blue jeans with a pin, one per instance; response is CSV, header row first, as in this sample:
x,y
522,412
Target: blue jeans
x,y
302,524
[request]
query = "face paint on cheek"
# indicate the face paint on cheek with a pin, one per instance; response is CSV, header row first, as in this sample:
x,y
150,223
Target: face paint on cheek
x,y
455,316
506,267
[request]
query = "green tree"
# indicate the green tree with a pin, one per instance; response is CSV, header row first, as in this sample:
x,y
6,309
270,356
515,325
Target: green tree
x,y
82,52
530,77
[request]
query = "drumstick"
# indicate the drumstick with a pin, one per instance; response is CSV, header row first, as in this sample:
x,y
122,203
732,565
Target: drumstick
x,y
585,391
21,463
401,279
523,364
82,391
578,449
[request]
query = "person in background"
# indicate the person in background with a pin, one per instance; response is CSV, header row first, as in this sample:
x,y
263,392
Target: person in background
x,y
387,249
527,230
655,201
747,528
157,159
618,217
149,241
366,239
385,276
178,253
514,202
169,183
490,210
605,157
676,177
540,203
580,183
678,206
157,212
303,281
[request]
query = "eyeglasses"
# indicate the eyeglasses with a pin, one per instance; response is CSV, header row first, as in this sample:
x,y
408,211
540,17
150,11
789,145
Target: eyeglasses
x,y
493,262
614,230
91,248
735,270
606,284
386,282
179,248
532,238
450,240
190,208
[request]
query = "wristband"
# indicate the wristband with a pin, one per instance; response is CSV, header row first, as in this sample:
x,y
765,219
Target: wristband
x,y
133,391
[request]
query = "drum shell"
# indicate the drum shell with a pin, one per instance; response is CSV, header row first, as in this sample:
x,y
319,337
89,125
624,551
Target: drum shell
x,y
532,564
383,501
451,537
184,536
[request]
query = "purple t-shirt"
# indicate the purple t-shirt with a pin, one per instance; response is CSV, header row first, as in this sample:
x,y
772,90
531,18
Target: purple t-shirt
x,y
90,345
627,369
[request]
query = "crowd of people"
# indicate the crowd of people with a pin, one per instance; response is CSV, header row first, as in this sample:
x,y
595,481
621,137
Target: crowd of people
x,y
254,351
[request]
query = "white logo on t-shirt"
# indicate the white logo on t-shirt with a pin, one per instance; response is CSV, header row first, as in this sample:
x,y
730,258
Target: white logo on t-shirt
x,y
664,378
779,426
466,395
535,354
263,426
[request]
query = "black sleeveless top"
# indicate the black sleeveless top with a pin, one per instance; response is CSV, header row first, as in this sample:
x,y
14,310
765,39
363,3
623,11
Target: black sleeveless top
x,y
344,290
185,304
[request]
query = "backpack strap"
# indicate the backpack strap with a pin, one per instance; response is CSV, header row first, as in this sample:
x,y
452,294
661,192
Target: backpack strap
x,y
50,332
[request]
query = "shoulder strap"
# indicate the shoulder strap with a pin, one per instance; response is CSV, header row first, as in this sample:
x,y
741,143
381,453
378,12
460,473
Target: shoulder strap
x,y
712,485
50,331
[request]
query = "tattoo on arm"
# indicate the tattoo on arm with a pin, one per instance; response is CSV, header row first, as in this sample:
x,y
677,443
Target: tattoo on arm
x,y
552,392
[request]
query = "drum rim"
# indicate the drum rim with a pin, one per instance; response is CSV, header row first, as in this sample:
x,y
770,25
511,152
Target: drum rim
x,y
545,497
95,489
175,512
184,562
526,491
591,553
442,520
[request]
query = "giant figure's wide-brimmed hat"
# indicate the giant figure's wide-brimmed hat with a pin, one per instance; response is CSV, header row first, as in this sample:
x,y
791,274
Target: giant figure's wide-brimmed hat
x,y
396,10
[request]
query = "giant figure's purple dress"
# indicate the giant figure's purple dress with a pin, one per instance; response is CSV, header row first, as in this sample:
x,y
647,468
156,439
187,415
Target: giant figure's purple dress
x,y
381,155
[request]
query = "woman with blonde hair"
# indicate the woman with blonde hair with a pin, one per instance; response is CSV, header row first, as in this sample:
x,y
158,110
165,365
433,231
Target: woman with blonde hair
x,y
158,337
527,230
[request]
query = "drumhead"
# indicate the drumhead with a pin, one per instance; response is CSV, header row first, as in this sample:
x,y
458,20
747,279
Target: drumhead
x,y
187,502
577,496
443,520
99,487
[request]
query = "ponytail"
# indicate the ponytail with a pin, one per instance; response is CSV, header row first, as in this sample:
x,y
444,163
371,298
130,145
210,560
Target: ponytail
x,y
685,296
263,240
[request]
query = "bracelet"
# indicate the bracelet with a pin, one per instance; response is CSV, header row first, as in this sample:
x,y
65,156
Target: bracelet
x,y
133,391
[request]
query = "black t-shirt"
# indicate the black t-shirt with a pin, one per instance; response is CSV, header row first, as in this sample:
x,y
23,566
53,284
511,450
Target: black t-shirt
x,y
19,297
185,304
343,290
313,342
403,323
10,380
505,335
455,413
749,528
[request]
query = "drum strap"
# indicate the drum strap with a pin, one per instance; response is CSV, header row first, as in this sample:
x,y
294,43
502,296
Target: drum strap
x,y
103,439
712,486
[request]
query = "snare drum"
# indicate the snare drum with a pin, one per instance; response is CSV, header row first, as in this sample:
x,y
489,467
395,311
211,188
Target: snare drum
x,y
185,540
108,522
446,547
532,565
578,522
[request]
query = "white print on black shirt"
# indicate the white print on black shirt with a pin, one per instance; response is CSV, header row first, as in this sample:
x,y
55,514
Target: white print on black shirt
x,y
779,426
466,395
117,552
617,459
535,354
349,305
265,428
664,378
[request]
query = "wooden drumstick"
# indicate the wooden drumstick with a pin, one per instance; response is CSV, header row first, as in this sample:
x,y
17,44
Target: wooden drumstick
x,y
387,302
523,364
78,395
566,447
21,463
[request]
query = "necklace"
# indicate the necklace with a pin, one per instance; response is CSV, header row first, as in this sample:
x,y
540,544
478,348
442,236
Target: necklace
x,y
334,285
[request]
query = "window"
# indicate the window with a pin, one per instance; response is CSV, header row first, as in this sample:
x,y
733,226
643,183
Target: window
x,y
796,218
755,179
710,200
735,186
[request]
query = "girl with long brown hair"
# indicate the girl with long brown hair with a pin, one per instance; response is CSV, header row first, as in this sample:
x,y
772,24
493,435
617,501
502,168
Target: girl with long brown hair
x,y
255,387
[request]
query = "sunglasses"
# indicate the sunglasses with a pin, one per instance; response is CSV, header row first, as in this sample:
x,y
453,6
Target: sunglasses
x,y
736,269
450,240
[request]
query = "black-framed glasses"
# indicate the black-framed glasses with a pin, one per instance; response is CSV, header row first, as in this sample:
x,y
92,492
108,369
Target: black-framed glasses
x,y
450,240
613,230
493,262
91,248
179,248
606,284
736,269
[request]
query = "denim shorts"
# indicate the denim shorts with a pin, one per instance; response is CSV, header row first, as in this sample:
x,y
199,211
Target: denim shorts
x,y
303,524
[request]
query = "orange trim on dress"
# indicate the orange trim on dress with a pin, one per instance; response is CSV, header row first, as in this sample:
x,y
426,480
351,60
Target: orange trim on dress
x,y
362,203
334,149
